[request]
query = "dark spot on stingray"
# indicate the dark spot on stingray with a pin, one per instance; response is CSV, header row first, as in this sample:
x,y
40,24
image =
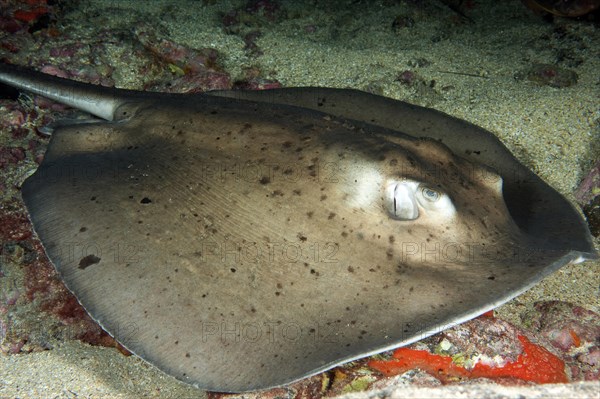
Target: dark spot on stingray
x,y
302,237
350,269
323,197
265,180
331,215
344,234
233,270
491,277
93,199
145,200
187,354
83,229
286,144
297,192
88,261
310,214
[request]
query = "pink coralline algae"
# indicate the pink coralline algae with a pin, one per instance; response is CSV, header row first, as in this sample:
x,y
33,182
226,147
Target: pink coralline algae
x,y
86,74
253,81
10,25
257,84
552,75
19,14
407,77
590,186
198,69
11,155
574,332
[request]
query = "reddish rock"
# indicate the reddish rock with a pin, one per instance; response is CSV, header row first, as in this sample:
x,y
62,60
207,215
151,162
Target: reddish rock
x,y
11,25
10,155
573,331
481,348
257,84
14,227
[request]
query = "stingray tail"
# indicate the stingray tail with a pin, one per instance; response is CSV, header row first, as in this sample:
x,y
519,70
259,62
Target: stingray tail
x,y
97,100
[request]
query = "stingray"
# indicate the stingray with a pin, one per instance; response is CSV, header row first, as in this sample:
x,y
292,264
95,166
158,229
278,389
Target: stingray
x,y
244,240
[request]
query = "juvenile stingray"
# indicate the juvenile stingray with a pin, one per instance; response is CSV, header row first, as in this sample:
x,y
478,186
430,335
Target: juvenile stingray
x,y
244,240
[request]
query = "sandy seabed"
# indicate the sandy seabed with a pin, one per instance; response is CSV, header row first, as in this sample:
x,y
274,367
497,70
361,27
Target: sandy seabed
x,y
471,70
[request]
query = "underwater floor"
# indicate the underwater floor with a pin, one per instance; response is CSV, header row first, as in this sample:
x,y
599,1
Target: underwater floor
x,y
530,79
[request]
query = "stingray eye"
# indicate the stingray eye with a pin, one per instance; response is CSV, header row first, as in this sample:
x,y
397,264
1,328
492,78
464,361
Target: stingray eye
x,y
408,200
433,200
430,194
